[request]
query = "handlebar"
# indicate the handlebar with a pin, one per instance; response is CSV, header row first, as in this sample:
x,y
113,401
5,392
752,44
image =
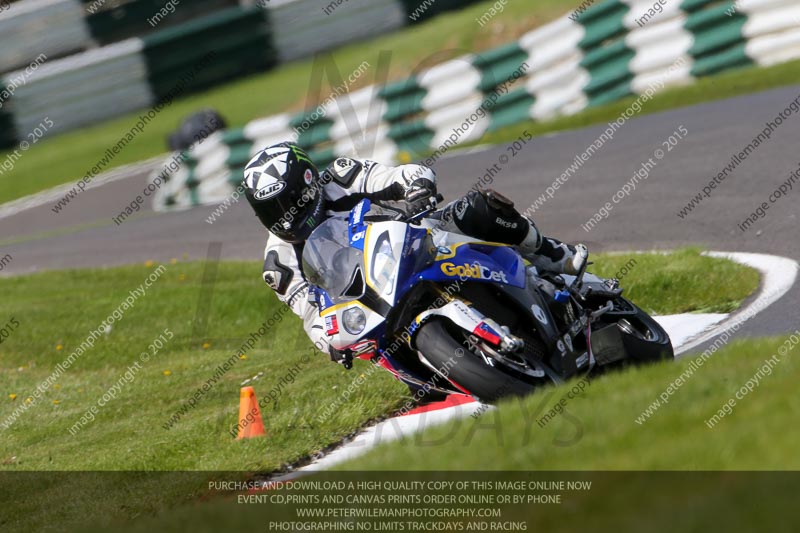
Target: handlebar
x,y
425,212
397,194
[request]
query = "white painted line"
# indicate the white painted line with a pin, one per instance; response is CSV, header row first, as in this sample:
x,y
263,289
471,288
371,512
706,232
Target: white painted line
x,y
390,430
54,194
687,326
778,275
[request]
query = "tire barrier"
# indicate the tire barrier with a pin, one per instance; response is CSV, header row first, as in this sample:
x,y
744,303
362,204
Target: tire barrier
x,y
304,27
136,73
113,21
612,50
58,89
150,45
55,28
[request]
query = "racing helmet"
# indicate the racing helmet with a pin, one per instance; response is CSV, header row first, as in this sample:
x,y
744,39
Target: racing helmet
x,y
282,186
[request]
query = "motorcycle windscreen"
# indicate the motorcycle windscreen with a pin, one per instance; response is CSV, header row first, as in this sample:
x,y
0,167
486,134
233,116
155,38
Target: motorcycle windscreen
x,y
331,264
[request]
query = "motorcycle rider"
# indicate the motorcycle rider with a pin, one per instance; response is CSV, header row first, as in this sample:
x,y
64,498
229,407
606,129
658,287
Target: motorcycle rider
x,y
291,198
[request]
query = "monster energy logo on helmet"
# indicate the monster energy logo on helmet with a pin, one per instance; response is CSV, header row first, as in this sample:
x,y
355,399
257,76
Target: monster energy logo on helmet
x,y
300,154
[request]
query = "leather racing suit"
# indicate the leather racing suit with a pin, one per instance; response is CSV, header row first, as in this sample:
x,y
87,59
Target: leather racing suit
x,y
483,215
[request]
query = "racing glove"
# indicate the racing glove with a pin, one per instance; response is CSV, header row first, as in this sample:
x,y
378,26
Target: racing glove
x,y
420,195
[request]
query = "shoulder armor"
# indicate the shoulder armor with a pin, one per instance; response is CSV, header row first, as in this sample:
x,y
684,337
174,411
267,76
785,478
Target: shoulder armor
x,y
343,171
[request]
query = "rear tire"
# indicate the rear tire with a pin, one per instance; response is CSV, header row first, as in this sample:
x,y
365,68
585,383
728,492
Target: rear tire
x,y
468,370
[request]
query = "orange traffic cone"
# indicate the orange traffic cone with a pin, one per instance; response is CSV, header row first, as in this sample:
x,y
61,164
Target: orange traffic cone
x,y
250,423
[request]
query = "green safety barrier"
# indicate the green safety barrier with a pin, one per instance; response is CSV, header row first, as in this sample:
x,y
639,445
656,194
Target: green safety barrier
x,y
8,135
115,21
498,65
422,10
207,51
608,66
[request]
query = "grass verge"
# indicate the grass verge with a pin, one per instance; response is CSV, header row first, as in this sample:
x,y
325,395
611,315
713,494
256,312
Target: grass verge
x,y
680,282
603,428
50,331
720,478
131,432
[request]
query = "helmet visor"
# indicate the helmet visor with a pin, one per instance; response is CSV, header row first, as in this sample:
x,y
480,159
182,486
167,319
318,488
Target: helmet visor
x,y
294,217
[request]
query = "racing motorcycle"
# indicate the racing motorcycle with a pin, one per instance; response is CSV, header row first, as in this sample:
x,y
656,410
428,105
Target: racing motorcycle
x,y
446,313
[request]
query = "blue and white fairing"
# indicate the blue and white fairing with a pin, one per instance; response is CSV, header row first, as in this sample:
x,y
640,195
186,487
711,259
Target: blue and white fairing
x,y
361,269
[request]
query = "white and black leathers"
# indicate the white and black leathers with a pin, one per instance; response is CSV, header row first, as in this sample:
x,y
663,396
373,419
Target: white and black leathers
x,y
345,182
478,215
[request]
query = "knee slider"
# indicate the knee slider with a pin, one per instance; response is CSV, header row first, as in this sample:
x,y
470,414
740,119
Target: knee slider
x,y
490,216
499,203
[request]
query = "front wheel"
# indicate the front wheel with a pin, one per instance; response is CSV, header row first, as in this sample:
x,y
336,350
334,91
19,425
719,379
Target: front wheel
x,y
465,368
644,340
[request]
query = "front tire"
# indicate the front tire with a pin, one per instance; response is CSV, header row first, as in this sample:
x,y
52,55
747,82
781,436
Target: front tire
x,y
645,340
468,370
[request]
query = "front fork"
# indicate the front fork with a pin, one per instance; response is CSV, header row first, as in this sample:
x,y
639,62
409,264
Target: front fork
x,y
473,321
584,325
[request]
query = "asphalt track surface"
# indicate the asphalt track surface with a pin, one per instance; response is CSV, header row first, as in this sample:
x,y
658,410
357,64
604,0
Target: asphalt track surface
x,y
83,234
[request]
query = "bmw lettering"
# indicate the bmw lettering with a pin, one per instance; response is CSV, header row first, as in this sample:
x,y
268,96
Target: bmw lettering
x,y
473,271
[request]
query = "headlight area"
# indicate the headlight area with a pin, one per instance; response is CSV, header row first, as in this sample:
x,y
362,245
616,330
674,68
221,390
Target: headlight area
x,y
354,320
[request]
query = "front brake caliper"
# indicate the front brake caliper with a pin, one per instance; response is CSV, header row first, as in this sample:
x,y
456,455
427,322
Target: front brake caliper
x,y
498,335
474,322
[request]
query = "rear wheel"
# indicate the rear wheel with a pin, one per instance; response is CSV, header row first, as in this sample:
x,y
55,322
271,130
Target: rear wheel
x,y
466,368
